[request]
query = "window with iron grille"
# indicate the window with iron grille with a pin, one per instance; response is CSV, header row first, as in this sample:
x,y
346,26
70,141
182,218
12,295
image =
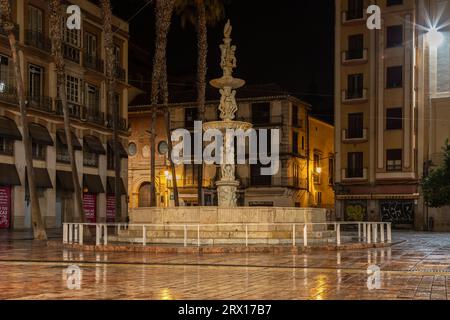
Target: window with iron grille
x,y
73,85
394,119
6,146
355,165
394,160
394,36
39,151
394,77
35,82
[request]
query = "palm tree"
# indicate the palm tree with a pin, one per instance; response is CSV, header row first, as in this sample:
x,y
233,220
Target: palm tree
x,y
39,232
200,13
163,10
110,85
56,34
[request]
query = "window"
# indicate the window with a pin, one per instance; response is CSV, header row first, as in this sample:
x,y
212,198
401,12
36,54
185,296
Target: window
x,y
394,77
394,119
190,115
394,3
73,89
355,9
190,174
39,151
331,170
35,18
117,57
355,165
295,121
355,86
303,143
261,113
317,169
35,82
355,126
71,36
319,198
109,158
6,146
295,142
256,178
5,74
394,37
355,47
62,152
90,46
394,160
144,195
92,98
90,159
132,149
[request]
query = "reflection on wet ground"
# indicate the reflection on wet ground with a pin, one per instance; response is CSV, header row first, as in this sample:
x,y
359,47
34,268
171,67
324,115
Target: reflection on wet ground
x,y
416,268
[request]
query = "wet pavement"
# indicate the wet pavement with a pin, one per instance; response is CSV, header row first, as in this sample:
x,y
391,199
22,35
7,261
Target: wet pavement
x,y
418,267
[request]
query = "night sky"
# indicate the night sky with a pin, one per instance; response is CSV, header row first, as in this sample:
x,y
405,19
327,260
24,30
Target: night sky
x,y
285,42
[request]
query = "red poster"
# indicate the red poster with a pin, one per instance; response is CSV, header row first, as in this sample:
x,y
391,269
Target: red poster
x,y
5,207
90,207
110,208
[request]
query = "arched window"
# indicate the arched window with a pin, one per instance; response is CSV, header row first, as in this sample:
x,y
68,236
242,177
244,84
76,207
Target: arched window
x,y
144,195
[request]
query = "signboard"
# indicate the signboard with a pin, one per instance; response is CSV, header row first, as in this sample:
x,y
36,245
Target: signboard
x,y
110,208
5,207
90,207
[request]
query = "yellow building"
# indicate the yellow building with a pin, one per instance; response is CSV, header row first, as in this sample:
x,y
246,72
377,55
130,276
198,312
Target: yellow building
x,y
390,92
299,182
90,117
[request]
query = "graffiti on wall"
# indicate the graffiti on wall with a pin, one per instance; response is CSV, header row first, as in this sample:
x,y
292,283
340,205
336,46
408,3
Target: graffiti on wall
x,y
356,210
397,211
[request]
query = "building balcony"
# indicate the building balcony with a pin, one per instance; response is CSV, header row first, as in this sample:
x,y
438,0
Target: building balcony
x,y
37,40
354,56
95,116
93,63
120,73
355,174
354,16
15,31
123,126
39,103
357,96
354,136
76,111
71,52
62,156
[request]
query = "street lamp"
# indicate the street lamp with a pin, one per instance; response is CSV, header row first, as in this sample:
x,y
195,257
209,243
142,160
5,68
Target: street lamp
x,y
318,170
435,38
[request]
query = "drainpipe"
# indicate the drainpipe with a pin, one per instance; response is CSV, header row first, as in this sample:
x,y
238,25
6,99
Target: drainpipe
x,y
307,155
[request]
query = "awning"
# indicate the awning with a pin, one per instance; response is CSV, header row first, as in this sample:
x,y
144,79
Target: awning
x,y
9,175
122,152
41,178
61,136
40,134
93,183
110,188
94,145
64,181
9,130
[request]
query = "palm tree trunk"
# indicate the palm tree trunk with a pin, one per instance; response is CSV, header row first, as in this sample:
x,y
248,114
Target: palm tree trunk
x,y
165,98
164,9
39,232
56,40
202,38
110,75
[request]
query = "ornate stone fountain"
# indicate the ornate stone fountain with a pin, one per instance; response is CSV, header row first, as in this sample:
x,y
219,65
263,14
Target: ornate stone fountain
x,y
227,85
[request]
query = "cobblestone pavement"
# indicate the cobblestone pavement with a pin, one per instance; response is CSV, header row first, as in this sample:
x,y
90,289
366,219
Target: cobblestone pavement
x,y
416,268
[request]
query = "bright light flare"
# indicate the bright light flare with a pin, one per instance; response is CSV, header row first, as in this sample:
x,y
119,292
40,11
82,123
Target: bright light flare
x,y
435,38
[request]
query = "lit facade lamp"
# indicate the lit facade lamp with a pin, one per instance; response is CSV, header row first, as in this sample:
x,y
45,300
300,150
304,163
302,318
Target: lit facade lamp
x,y
435,38
318,170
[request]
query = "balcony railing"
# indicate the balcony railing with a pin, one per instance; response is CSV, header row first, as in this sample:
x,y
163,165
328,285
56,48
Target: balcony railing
x,y
38,40
270,181
354,96
8,93
120,73
354,174
93,62
95,116
40,103
354,56
71,53
353,16
15,31
122,122
62,156
354,135
76,111
192,182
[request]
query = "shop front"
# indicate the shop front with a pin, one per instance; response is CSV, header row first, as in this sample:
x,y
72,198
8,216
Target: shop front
x,y
92,187
111,198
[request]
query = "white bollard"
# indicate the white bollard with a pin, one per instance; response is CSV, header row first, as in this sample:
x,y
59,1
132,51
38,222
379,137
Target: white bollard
x,y
80,235
359,232
105,234
293,235
382,233
144,236
305,235
375,232
65,233
369,238
97,234
389,233
364,231
338,234
70,232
